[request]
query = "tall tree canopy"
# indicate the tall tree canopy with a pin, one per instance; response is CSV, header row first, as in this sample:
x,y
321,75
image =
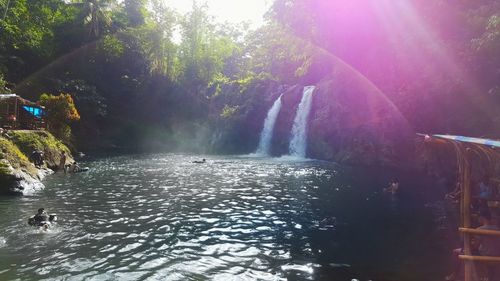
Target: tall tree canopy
x,y
147,64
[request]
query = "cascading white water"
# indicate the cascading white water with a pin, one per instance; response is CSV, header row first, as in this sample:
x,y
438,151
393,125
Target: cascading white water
x,y
298,142
266,135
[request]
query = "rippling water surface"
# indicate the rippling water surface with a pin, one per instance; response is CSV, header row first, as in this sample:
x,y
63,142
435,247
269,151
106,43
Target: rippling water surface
x,y
162,217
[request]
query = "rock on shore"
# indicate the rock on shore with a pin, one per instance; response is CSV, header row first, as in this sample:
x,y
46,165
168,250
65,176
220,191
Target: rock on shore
x,y
18,176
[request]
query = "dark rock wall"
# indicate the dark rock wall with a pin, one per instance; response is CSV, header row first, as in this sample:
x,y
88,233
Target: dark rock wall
x,y
350,121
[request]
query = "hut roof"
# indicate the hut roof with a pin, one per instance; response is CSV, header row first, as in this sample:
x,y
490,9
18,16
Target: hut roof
x,y
7,96
485,148
19,98
486,142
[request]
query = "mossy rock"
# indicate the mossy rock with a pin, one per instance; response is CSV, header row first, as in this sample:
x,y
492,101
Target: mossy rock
x,y
17,174
28,141
10,154
4,167
13,164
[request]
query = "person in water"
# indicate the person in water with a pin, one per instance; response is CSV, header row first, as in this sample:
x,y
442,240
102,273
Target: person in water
x,y
62,162
40,218
41,215
393,187
73,168
200,162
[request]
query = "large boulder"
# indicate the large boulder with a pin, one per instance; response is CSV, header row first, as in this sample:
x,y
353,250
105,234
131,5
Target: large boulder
x,y
18,176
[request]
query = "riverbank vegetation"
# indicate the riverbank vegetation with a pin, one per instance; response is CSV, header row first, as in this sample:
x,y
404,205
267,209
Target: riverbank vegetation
x,y
12,156
145,77
60,112
29,141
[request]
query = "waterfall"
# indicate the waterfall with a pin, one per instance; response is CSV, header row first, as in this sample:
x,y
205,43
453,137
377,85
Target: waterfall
x,y
266,135
298,142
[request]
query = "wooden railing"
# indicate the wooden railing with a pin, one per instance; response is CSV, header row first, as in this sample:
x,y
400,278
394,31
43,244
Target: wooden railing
x,y
479,231
479,258
468,258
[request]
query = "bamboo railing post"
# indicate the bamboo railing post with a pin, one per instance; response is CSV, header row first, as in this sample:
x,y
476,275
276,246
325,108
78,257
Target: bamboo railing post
x,y
484,152
466,169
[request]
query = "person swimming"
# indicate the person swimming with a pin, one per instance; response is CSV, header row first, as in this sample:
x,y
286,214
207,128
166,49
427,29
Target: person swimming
x,y
41,216
200,162
73,168
393,187
41,219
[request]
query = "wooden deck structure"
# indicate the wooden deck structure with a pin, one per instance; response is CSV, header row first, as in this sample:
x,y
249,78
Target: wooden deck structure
x,y
470,152
19,113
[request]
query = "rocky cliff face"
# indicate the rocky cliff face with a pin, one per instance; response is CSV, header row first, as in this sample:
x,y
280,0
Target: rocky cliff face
x,y
18,176
239,130
351,121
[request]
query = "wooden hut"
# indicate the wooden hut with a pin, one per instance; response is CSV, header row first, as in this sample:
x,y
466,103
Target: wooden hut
x,y
473,155
19,113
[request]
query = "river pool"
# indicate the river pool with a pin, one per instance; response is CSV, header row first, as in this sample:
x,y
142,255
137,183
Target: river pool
x,y
162,217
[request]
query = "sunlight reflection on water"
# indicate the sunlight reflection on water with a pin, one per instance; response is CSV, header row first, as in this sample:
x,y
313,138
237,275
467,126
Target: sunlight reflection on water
x,y
162,217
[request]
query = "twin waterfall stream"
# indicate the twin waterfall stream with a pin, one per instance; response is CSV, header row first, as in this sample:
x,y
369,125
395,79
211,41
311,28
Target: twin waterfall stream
x,y
298,136
266,135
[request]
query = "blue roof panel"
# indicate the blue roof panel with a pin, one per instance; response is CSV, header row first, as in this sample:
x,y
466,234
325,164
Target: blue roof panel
x,y
487,142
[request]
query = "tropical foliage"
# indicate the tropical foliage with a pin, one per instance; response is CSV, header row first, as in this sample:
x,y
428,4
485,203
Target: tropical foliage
x,y
60,111
136,63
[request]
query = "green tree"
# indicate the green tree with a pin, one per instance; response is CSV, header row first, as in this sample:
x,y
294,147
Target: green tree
x,y
27,34
158,45
3,86
135,11
29,24
204,49
96,15
274,52
196,28
60,112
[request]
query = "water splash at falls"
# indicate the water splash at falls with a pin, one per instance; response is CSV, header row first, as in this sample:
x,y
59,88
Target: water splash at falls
x,y
298,142
267,132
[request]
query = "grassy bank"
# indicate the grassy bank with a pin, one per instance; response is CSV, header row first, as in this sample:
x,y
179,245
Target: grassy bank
x,y
28,141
